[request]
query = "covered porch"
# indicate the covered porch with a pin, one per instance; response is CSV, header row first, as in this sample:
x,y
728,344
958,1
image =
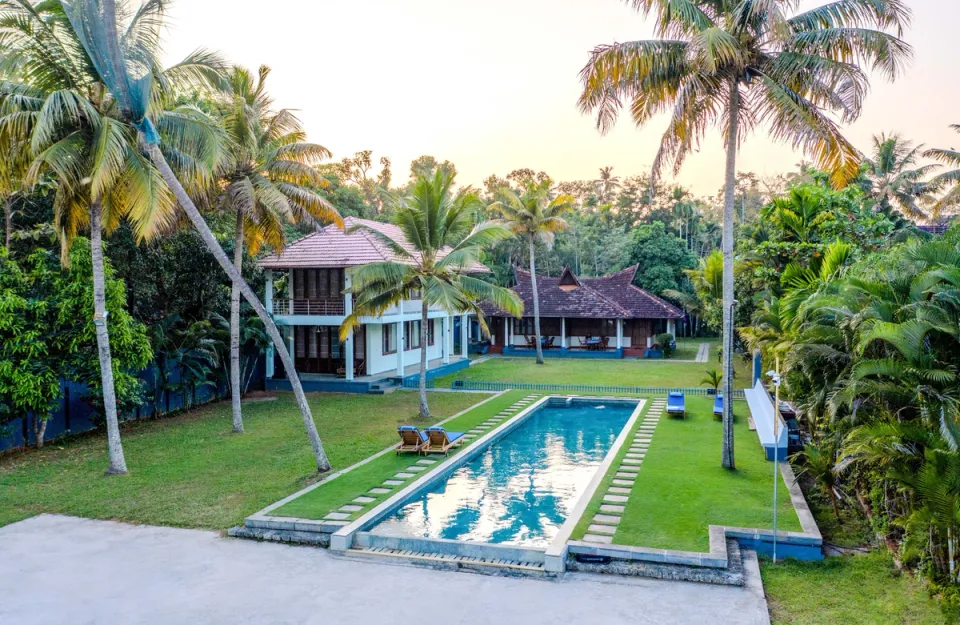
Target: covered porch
x,y
576,337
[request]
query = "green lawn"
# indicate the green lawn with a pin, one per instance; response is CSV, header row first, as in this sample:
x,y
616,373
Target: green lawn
x,y
656,373
853,590
342,490
682,489
191,471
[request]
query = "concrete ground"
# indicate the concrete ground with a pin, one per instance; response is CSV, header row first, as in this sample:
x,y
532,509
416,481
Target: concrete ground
x,y
57,569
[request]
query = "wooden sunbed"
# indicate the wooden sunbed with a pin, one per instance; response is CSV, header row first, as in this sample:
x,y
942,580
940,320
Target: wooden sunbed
x,y
441,441
411,439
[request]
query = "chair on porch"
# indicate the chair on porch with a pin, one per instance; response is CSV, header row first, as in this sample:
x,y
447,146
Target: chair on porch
x,y
531,341
357,368
604,343
548,343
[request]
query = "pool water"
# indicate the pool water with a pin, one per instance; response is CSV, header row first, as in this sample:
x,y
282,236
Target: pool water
x,y
520,489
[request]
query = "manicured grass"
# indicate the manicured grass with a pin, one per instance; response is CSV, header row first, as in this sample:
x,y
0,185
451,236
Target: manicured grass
x,y
191,471
853,590
326,498
654,373
682,489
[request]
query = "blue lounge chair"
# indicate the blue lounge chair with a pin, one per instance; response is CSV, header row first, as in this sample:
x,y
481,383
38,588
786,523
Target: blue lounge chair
x,y
440,441
718,405
676,406
411,439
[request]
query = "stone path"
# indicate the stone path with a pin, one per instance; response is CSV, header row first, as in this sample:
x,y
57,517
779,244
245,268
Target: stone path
x,y
388,487
703,353
604,524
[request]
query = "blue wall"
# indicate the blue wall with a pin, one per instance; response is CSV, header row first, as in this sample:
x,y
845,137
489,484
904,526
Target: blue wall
x,y
73,415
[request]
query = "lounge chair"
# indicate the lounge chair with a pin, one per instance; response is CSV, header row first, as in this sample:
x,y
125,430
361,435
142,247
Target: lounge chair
x,y
718,405
676,405
440,441
411,439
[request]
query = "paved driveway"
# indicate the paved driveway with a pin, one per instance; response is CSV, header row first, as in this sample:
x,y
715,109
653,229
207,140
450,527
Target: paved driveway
x,y
57,569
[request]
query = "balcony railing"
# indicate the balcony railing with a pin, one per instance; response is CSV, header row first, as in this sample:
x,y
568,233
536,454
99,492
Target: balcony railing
x,y
308,307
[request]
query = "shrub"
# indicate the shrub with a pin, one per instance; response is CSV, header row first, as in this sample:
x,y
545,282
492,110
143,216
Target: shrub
x,y
665,341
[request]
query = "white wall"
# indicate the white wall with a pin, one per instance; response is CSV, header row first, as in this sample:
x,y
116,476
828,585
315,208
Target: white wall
x,y
377,362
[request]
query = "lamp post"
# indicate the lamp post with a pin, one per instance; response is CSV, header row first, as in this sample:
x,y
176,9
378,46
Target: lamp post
x,y
775,376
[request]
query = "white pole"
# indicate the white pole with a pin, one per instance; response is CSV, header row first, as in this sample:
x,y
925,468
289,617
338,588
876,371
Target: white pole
x,y
776,452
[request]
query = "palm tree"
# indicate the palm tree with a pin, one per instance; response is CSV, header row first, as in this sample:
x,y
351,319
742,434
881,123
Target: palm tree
x,y
950,179
76,132
740,64
606,184
267,181
14,161
442,246
896,181
123,71
534,216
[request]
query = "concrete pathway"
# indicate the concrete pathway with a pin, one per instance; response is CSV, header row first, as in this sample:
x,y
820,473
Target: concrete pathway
x,y
67,570
703,353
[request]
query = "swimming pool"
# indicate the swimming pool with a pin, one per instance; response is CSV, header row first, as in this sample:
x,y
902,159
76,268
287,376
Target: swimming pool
x,y
522,488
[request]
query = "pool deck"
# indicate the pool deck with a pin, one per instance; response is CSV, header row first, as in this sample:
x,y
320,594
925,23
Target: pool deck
x,y
167,576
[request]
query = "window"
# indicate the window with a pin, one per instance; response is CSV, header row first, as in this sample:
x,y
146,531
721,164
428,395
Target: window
x,y
431,332
524,326
389,339
411,332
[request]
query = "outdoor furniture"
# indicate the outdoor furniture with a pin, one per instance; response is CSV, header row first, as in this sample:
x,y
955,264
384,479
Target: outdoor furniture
x,y
357,367
440,441
411,439
531,341
548,342
718,406
604,343
676,405
593,344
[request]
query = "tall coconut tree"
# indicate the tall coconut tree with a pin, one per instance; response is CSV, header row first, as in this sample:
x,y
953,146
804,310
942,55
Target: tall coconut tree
x,y
949,179
535,216
123,68
738,65
442,246
897,182
59,109
268,180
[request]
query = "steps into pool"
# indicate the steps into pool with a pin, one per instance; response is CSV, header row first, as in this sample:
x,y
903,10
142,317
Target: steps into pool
x,y
442,560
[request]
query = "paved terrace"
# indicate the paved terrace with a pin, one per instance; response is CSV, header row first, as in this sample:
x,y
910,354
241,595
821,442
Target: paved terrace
x,y
65,569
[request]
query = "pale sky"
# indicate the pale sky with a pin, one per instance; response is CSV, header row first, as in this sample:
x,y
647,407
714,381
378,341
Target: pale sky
x,y
493,86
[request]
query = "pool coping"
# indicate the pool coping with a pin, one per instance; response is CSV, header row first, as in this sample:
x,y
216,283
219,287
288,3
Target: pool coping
x,y
355,534
262,519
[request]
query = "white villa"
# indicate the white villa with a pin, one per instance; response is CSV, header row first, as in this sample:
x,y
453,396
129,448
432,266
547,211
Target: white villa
x,y
384,349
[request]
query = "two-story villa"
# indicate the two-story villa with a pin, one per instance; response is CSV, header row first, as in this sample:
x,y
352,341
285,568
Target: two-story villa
x,y
382,350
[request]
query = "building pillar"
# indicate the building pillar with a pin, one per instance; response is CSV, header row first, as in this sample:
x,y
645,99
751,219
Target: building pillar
x,y
291,335
619,333
672,327
268,293
290,291
465,336
348,344
509,332
400,325
563,332
444,330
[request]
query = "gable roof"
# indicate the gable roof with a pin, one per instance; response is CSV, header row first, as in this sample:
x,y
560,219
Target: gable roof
x,y
335,247
608,297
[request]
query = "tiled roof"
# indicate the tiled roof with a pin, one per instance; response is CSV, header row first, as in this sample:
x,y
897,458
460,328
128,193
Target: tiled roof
x,y
335,247
608,297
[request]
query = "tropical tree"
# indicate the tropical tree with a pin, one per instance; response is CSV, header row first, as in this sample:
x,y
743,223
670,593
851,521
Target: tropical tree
x,y
268,180
14,161
536,217
442,248
123,71
897,183
76,132
607,184
949,179
742,64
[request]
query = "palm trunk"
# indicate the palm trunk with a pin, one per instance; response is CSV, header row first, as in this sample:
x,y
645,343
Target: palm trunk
x,y
424,408
117,462
156,156
39,430
235,329
8,219
536,300
727,342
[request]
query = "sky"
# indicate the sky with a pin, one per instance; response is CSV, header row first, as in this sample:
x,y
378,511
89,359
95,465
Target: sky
x,y
492,86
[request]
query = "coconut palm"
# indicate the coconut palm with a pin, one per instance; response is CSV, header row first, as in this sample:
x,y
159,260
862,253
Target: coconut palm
x,y
75,131
738,65
897,183
442,246
268,180
122,69
534,216
14,161
950,179
606,185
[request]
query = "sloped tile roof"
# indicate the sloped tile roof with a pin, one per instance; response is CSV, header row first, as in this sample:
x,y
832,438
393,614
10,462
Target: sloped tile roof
x,y
335,247
607,297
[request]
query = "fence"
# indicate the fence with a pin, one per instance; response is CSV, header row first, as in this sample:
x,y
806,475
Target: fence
x,y
470,385
74,415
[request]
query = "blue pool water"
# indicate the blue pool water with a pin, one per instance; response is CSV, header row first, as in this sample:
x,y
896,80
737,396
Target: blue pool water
x,y
520,489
